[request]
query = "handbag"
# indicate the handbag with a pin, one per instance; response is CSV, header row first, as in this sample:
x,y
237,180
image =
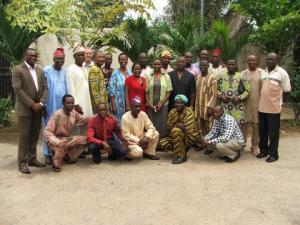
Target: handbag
x,y
241,87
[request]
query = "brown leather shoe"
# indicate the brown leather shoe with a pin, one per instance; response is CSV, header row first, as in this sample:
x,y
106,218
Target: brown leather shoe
x,y
24,169
36,163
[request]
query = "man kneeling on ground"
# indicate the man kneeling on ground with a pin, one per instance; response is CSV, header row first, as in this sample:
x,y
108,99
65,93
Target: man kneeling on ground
x,y
57,133
139,133
103,132
225,136
182,130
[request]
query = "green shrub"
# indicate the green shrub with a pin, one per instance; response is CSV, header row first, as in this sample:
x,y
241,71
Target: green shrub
x,y
295,94
5,111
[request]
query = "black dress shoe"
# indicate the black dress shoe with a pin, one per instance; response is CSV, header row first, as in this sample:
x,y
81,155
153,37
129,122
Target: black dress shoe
x,y
262,155
36,163
152,157
82,155
48,160
198,147
229,160
96,157
223,157
179,159
271,159
208,151
24,169
85,153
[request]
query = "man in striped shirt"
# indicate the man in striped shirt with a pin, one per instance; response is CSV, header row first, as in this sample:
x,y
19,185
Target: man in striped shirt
x,y
206,99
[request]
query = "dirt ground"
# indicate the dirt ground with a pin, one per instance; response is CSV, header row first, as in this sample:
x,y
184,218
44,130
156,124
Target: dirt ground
x,y
204,190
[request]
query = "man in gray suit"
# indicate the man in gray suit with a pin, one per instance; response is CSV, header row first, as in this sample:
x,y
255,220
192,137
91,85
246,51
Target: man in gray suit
x,y
30,87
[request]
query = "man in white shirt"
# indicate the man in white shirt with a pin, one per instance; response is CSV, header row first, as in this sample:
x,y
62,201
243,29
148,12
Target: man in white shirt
x,y
275,81
78,85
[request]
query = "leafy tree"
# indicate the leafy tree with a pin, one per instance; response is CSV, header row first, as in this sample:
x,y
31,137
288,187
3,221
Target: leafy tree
x,y
186,36
177,10
138,37
276,21
72,20
14,40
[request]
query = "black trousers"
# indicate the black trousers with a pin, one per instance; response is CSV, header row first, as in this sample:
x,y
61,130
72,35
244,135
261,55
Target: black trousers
x,y
118,150
269,125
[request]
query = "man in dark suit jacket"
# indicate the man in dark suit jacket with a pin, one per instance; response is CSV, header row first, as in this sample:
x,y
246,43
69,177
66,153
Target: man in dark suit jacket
x,y
30,87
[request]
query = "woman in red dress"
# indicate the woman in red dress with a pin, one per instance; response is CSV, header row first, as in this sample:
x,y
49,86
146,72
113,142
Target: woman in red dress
x,y
135,85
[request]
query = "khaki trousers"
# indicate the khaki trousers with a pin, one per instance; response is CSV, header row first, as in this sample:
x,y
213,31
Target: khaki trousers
x,y
254,135
229,148
135,151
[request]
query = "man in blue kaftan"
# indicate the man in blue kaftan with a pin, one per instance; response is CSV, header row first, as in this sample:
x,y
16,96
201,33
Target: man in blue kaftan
x,y
57,88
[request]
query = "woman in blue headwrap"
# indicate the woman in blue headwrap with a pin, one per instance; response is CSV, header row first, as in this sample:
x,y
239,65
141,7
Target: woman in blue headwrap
x,y
182,130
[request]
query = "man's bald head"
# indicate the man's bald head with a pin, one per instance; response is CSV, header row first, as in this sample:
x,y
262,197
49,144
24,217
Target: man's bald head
x,y
143,59
272,59
180,63
218,112
203,55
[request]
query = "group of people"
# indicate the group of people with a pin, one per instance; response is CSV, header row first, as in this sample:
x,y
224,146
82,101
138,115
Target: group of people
x,y
130,113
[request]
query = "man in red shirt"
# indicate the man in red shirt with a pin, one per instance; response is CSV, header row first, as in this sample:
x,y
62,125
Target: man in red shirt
x,y
103,132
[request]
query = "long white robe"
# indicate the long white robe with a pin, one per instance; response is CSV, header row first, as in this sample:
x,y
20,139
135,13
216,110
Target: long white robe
x,y
78,87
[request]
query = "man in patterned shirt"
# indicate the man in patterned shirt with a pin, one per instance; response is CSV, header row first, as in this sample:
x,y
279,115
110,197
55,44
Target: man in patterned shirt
x,y
225,136
96,79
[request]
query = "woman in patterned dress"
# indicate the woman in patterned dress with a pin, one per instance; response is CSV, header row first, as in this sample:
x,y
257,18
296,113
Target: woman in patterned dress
x,y
116,87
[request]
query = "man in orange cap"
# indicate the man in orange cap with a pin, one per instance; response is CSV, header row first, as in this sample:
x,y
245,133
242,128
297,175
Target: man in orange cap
x,y
57,88
217,67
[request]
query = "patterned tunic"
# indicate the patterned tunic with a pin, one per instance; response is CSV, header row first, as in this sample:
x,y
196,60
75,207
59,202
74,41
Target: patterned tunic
x,y
178,140
217,71
228,85
187,118
251,108
206,95
116,89
97,86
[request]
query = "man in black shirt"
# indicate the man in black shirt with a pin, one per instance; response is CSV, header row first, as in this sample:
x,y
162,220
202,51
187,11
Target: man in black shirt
x,y
183,82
